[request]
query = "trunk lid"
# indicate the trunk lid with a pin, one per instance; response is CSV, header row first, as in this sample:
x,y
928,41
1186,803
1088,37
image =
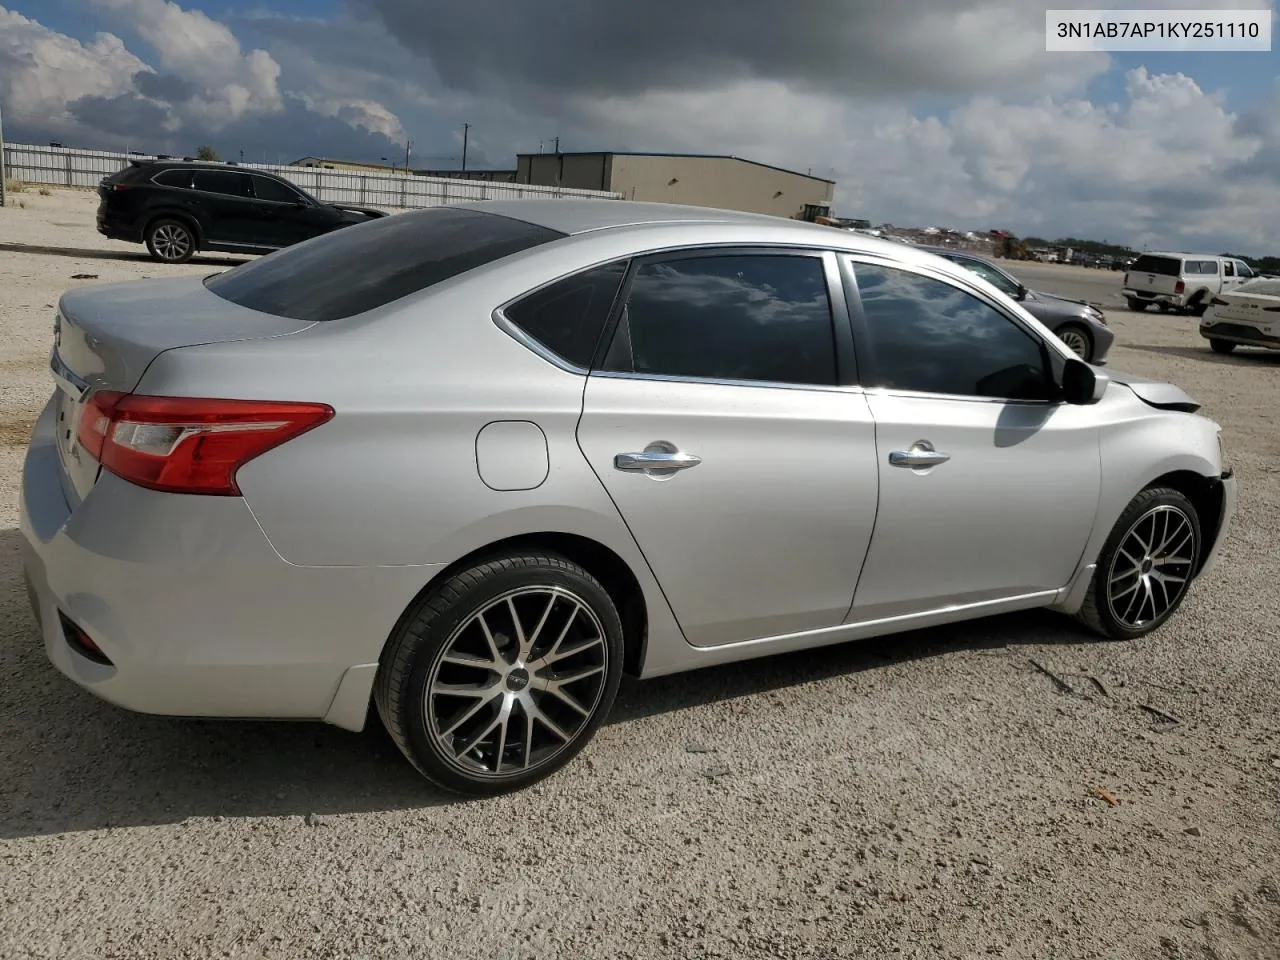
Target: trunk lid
x,y
1259,306
106,336
1155,274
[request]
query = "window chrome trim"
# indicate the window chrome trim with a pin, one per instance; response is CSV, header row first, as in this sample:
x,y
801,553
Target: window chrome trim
x,y
965,285
508,326
74,385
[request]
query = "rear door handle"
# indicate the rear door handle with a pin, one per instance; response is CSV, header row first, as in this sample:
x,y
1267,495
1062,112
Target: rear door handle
x,y
921,454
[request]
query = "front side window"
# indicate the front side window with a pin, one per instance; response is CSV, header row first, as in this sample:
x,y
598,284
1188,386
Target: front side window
x,y
222,181
264,188
931,337
568,316
756,317
1242,269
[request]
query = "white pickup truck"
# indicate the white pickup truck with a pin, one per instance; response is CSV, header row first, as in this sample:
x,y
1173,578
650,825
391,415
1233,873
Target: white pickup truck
x,y
1181,281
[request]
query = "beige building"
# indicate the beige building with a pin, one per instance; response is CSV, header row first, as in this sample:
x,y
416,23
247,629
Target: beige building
x,y
729,183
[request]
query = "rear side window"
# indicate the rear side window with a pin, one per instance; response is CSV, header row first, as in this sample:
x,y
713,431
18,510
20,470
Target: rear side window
x,y
756,317
358,268
568,316
174,178
1207,267
222,181
1165,266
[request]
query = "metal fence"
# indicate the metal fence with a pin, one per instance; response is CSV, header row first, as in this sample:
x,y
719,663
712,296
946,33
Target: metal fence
x,y
66,167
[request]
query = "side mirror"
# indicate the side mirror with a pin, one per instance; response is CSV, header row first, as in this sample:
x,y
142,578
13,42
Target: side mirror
x,y
1022,291
1082,384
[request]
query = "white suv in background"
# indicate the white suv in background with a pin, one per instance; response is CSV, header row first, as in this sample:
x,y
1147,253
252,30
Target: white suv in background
x,y
1181,281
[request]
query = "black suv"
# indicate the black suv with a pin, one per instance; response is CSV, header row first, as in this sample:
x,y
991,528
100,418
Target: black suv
x,y
179,207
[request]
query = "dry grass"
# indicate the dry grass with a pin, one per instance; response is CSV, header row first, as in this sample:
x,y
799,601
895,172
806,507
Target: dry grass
x,y
15,186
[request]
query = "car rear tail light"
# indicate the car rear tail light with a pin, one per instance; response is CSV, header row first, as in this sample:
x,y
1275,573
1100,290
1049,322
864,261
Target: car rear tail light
x,y
1218,302
188,444
1179,287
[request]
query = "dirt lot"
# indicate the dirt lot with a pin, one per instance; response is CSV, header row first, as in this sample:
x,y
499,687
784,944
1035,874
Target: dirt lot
x,y
926,795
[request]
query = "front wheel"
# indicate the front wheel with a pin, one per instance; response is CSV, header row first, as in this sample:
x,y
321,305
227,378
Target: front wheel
x,y
171,241
1221,346
499,676
1077,340
1145,566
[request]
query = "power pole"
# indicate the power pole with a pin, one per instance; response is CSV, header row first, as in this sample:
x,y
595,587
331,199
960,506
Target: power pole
x,y
2,170
466,130
557,144
407,144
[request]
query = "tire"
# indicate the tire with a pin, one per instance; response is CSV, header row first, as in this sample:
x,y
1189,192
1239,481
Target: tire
x,y
1197,305
1136,305
452,738
1111,613
1078,339
170,241
1221,346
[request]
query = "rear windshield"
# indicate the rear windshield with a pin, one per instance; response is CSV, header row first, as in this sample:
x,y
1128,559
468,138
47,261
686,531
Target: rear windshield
x,y
358,268
1166,266
1262,288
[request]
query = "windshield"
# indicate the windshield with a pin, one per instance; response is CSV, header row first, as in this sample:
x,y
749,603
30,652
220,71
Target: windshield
x,y
996,278
358,268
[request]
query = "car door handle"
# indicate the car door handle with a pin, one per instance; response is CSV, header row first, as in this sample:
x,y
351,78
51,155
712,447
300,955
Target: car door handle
x,y
921,454
655,460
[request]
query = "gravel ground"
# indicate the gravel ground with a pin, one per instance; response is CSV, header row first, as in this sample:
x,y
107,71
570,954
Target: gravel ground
x,y
927,795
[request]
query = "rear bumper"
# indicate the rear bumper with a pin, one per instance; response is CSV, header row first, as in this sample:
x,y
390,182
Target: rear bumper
x,y
118,228
1172,299
1245,334
196,612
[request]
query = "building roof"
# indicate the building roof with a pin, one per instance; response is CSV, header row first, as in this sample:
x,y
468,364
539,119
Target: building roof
x,y
346,163
697,156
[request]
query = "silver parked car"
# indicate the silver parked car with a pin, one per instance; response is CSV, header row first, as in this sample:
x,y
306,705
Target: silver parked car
x,y
471,464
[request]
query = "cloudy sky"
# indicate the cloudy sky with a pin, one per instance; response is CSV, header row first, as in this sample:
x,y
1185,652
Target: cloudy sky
x,y
945,112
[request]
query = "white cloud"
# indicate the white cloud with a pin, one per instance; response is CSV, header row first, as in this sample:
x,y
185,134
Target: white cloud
x,y
42,71
1161,166
232,84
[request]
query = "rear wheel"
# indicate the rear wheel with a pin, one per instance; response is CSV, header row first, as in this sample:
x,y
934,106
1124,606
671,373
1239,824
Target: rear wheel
x,y
1221,346
171,241
1077,340
1145,566
1136,305
502,674
1197,305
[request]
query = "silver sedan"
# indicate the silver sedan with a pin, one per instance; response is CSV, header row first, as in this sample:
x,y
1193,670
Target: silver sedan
x,y
467,466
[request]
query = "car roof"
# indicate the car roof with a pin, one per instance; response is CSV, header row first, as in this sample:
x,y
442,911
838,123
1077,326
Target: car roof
x,y
574,215
159,165
1186,256
948,252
